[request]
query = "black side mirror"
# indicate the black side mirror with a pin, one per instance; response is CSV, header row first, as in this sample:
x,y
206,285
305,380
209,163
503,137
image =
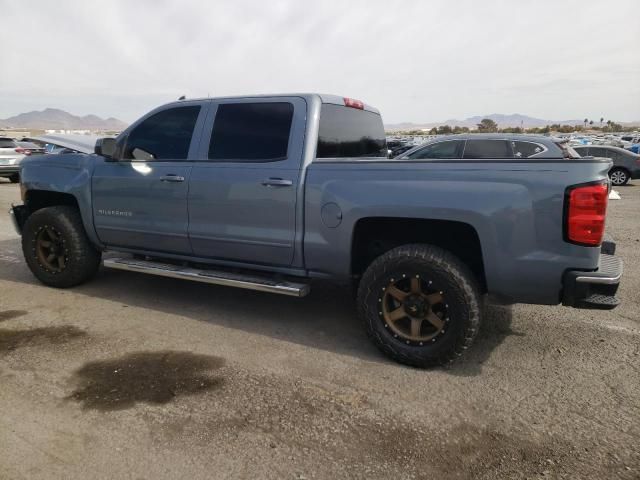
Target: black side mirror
x,y
105,147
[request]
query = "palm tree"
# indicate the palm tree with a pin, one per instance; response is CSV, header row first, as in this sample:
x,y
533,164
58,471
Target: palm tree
x,y
586,120
601,120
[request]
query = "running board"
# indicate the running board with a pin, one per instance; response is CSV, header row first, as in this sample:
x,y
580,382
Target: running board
x,y
251,281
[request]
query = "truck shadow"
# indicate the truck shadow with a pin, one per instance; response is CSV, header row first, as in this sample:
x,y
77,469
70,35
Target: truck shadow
x,y
326,319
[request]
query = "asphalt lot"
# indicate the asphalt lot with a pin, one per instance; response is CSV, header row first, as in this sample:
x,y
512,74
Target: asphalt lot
x,y
132,376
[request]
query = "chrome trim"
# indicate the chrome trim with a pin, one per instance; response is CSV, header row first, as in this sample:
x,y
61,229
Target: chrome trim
x,y
249,282
600,280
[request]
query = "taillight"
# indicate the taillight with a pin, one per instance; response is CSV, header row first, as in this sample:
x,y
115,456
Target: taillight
x,y
586,210
353,103
20,150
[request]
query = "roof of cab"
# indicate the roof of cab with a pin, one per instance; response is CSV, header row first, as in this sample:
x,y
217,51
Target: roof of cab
x,y
324,98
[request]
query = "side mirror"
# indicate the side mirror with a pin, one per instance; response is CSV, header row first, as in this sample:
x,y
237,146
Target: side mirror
x,y
105,147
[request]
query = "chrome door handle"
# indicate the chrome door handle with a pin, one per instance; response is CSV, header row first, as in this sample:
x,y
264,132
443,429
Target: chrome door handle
x,y
172,178
277,182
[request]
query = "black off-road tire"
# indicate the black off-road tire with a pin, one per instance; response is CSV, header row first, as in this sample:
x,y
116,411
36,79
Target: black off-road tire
x,y
15,178
82,260
448,274
619,176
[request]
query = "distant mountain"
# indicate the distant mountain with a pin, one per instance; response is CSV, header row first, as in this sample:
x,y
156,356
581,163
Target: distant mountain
x,y
55,119
503,121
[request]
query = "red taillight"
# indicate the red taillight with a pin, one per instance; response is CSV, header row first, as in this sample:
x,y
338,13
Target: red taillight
x,y
20,150
586,212
353,103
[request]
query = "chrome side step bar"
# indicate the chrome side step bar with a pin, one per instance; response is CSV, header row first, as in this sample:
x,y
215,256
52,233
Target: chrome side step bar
x,y
217,277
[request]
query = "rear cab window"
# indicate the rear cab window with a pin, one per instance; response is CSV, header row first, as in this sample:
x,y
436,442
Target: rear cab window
x,y
350,132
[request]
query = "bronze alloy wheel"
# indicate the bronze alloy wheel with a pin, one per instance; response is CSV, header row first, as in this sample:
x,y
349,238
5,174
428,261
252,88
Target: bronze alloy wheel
x,y
50,249
413,310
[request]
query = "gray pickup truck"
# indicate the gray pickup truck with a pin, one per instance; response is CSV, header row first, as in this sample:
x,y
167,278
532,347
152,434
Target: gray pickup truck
x,y
270,192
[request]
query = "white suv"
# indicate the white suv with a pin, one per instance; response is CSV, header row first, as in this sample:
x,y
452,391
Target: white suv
x,y
10,157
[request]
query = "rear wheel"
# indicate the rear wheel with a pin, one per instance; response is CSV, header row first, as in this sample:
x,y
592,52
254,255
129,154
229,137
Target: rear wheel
x,y
57,249
15,178
420,305
619,176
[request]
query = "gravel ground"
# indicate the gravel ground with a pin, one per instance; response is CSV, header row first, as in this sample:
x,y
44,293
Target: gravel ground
x,y
132,376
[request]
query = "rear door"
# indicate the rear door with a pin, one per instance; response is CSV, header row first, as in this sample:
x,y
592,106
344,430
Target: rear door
x,y
140,200
244,186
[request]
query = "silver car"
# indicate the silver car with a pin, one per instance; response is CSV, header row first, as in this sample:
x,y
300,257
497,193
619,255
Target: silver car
x,y
10,157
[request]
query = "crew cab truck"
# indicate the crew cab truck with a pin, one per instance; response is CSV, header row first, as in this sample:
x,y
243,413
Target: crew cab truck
x,y
269,192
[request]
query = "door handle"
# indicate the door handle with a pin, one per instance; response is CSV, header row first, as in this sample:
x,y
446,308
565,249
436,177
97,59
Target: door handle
x,y
277,182
172,178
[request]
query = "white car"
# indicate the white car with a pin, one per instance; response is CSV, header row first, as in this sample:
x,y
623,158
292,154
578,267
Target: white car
x,y
10,157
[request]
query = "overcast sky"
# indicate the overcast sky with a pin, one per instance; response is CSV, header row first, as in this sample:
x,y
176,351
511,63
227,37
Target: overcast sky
x,y
417,61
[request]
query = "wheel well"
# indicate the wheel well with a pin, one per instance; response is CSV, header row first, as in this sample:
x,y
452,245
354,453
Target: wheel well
x,y
374,236
617,167
37,199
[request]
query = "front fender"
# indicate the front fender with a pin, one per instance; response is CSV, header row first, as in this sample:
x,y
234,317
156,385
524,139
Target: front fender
x,y
68,174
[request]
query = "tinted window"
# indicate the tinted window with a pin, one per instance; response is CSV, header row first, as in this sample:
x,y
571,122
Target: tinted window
x,y
526,149
7,143
449,149
350,132
487,149
599,152
251,131
165,135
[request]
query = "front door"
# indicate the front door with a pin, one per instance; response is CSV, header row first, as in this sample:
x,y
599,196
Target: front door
x,y
140,196
243,189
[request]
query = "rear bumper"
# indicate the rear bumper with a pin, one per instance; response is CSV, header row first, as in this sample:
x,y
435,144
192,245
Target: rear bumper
x,y
594,290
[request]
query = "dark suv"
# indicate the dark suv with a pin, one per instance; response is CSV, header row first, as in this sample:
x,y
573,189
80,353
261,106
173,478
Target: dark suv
x,y
626,164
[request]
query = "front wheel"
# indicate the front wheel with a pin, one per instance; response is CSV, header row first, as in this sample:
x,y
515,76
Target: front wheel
x,y
619,176
420,305
57,249
15,178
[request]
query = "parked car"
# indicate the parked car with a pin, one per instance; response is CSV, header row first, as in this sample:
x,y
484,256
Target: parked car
x,y
626,164
475,146
11,155
270,192
31,148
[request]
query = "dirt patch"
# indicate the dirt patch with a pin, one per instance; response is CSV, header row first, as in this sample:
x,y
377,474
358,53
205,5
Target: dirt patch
x,y
346,435
9,314
13,339
149,377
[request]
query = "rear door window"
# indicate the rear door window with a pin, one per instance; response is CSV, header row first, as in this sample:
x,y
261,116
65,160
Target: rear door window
x,y
447,149
165,135
526,149
487,149
251,132
350,132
